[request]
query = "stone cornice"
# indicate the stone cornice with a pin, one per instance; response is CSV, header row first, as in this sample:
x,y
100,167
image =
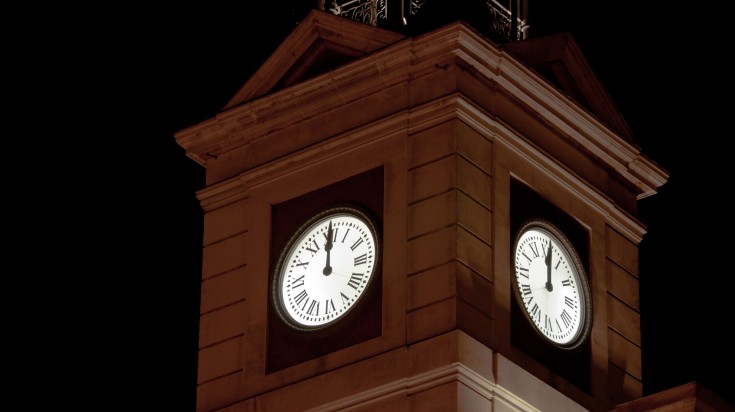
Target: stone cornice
x,y
402,62
455,372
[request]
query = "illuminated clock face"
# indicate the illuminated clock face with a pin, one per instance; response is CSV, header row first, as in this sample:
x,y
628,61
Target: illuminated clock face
x,y
550,285
326,268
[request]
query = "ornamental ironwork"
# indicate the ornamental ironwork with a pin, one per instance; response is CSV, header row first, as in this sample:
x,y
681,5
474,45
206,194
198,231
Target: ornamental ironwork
x,y
415,6
504,21
501,27
364,11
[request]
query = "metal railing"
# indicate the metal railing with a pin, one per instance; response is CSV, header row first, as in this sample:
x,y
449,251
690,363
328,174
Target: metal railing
x,y
505,21
364,11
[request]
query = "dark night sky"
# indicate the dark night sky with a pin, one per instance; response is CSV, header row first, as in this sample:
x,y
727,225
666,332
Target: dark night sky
x,y
147,75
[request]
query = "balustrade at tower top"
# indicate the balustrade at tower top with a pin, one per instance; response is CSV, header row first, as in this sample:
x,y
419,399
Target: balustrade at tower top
x,y
501,21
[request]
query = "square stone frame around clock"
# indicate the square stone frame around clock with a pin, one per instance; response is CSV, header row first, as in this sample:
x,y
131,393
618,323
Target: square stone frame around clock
x,y
520,162
288,346
574,366
299,174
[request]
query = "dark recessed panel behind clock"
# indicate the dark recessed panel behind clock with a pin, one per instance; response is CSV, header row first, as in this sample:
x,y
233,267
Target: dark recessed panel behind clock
x,y
525,203
286,346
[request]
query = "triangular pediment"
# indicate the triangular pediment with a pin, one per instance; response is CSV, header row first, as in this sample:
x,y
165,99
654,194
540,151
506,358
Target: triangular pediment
x,y
324,41
559,60
321,42
400,78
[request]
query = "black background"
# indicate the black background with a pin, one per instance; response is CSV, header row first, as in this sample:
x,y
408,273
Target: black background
x,y
108,227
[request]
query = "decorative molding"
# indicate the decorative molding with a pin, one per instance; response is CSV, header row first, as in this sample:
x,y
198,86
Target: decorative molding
x,y
419,118
454,372
418,383
408,59
222,194
458,106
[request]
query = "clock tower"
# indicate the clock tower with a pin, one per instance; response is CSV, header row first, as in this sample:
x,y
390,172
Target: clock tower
x,y
404,216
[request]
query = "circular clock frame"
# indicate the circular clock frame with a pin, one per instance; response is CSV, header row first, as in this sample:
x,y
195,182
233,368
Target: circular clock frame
x,y
564,320
306,297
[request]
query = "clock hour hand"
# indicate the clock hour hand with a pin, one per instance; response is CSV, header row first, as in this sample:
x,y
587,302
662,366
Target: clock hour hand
x,y
549,286
328,247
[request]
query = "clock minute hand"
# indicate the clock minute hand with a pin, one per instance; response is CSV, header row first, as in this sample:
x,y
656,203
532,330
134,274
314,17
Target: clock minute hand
x,y
549,286
328,247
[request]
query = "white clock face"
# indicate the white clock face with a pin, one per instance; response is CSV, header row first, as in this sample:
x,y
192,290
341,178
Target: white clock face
x,y
550,284
326,268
